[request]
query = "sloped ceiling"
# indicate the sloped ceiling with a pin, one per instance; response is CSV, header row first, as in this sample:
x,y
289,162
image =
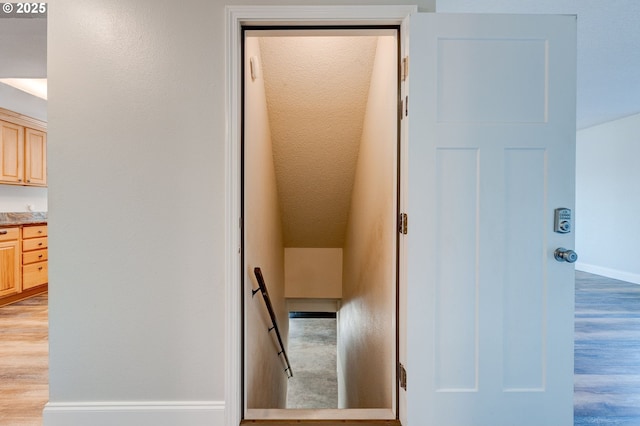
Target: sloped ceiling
x,y
317,91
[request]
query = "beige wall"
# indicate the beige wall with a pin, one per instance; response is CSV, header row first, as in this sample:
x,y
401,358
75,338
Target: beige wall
x,y
266,383
313,273
366,332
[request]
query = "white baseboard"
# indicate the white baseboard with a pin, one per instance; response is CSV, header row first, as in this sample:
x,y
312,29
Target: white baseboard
x,y
153,413
609,273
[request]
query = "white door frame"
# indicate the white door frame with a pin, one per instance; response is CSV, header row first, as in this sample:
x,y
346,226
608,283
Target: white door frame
x,y
235,18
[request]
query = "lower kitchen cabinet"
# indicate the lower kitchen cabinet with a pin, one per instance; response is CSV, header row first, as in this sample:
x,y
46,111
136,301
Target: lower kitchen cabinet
x,y
23,262
10,277
34,256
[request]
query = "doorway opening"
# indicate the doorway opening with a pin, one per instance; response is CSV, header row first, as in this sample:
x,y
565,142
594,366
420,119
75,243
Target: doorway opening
x,y
320,207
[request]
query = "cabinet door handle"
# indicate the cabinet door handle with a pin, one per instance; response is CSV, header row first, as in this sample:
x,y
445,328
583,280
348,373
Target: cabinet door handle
x,y
40,257
40,268
4,232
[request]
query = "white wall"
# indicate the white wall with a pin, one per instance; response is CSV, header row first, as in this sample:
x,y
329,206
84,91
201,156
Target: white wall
x,y
14,198
366,346
266,382
17,198
137,211
313,273
21,102
507,6
608,200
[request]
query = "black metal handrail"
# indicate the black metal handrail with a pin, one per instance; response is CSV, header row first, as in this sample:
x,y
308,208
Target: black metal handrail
x,y
267,301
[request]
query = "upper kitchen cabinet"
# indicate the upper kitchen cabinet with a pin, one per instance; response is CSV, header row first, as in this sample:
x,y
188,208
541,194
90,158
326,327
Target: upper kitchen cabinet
x,y
11,152
35,157
23,150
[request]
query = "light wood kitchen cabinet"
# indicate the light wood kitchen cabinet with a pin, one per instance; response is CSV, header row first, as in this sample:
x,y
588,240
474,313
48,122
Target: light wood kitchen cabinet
x,y
11,153
35,157
24,262
34,256
10,274
23,150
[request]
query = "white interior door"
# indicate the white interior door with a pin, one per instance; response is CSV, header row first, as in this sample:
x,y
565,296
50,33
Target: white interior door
x,y
491,155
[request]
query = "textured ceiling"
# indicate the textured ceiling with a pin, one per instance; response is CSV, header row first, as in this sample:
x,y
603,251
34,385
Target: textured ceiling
x,y
23,48
317,90
608,61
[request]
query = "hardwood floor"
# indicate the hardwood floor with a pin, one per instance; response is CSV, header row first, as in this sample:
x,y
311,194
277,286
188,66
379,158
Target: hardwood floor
x,y
24,382
607,352
607,355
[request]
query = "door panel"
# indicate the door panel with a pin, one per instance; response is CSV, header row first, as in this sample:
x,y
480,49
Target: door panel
x,y
523,305
471,71
491,154
456,201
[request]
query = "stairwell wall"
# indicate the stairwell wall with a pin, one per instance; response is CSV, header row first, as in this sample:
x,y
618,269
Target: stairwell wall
x,y
266,383
366,346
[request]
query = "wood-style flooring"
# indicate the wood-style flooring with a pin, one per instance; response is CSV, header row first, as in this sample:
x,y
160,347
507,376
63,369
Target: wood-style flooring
x,y
607,352
607,356
24,381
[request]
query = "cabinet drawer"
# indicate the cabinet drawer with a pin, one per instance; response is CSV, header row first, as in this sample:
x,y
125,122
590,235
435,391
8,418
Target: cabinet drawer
x,y
34,275
34,231
35,256
34,244
8,234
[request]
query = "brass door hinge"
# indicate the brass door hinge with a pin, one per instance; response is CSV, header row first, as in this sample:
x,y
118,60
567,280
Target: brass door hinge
x,y
402,376
404,107
405,68
403,225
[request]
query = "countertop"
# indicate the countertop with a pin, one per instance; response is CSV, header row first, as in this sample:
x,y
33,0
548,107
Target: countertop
x,y
23,218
